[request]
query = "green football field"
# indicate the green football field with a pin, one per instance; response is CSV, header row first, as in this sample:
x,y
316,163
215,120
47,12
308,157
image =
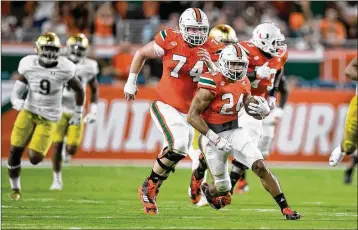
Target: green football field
x,y
106,197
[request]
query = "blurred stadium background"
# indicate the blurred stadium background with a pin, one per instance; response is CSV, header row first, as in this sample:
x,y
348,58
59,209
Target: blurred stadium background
x,y
321,37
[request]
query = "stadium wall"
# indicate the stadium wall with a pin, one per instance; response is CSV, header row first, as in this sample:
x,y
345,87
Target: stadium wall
x,y
312,125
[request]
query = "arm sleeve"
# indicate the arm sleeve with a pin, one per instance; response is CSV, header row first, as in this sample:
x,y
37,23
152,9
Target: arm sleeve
x,y
276,82
207,83
284,91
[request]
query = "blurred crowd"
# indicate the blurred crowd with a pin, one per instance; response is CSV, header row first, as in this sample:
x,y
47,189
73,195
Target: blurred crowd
x,y
307,25
108,23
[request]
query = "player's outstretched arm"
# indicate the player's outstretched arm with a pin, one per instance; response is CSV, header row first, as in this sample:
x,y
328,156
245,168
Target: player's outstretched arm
x,y
200,102
76,85
91,115
149,51
18,92
351,69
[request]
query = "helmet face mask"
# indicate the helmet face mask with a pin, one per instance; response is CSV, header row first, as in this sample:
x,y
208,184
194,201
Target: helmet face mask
x,y
236,70
47,47
76,53
269,39
233,63
194,26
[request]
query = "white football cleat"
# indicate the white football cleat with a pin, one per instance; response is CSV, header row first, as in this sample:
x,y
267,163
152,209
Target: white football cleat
x,y
336,156
202,201
56,186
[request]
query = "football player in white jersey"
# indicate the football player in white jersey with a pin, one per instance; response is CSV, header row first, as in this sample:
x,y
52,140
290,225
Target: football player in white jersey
x,y
44,75
86,71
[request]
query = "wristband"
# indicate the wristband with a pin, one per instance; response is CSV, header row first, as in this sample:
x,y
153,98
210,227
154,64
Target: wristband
x,y
132,78
79,109
212,136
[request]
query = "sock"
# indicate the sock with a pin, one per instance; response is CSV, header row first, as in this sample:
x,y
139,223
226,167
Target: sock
x,y
15,183
154,177
243,176
234,177
199,174
57,176
281,201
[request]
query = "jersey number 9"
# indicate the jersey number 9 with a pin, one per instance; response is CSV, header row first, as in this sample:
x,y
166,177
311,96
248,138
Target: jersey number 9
x,y
45,87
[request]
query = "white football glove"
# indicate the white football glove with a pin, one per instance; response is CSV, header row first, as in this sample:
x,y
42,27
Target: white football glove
x,y
130,88
76,116
92,115
220,142
271,102
263,72
262,108
18,104
205,56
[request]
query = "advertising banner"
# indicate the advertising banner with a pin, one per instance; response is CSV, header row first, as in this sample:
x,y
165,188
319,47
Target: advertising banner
x,y
312,125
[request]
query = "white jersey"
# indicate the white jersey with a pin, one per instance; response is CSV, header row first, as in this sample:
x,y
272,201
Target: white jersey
x,y
45,85
86,70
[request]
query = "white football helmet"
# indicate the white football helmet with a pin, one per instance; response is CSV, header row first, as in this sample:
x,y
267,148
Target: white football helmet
x,y
233,62
194,26
268,37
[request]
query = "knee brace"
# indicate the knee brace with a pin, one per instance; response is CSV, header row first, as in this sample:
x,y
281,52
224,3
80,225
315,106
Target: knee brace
x,y
173,157
181,146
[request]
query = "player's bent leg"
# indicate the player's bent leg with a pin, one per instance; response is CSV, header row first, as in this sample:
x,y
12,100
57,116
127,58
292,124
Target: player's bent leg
x,y
57,166
14,169
41,140
350,141
74,138
20,136
177,135
348,173
237,173
197,178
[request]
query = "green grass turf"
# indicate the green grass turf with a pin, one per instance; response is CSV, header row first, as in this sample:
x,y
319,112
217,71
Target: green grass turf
x,y
106,197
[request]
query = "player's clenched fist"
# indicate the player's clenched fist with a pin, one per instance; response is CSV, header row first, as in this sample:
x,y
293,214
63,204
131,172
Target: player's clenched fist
x,y
205,56
130,88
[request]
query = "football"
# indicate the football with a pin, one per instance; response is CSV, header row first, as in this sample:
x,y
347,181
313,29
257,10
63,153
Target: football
x,y
248,111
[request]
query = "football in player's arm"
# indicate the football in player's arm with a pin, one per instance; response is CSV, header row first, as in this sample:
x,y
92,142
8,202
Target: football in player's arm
x,y
44,75
86,71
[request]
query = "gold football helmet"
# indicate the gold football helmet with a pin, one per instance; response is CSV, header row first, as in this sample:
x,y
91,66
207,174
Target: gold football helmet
x,y
223,33
77,46
48,47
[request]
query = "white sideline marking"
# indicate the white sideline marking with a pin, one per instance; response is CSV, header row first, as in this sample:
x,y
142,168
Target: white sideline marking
x,y
260,210
4,206
74,228
87,201
316,203
39,199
